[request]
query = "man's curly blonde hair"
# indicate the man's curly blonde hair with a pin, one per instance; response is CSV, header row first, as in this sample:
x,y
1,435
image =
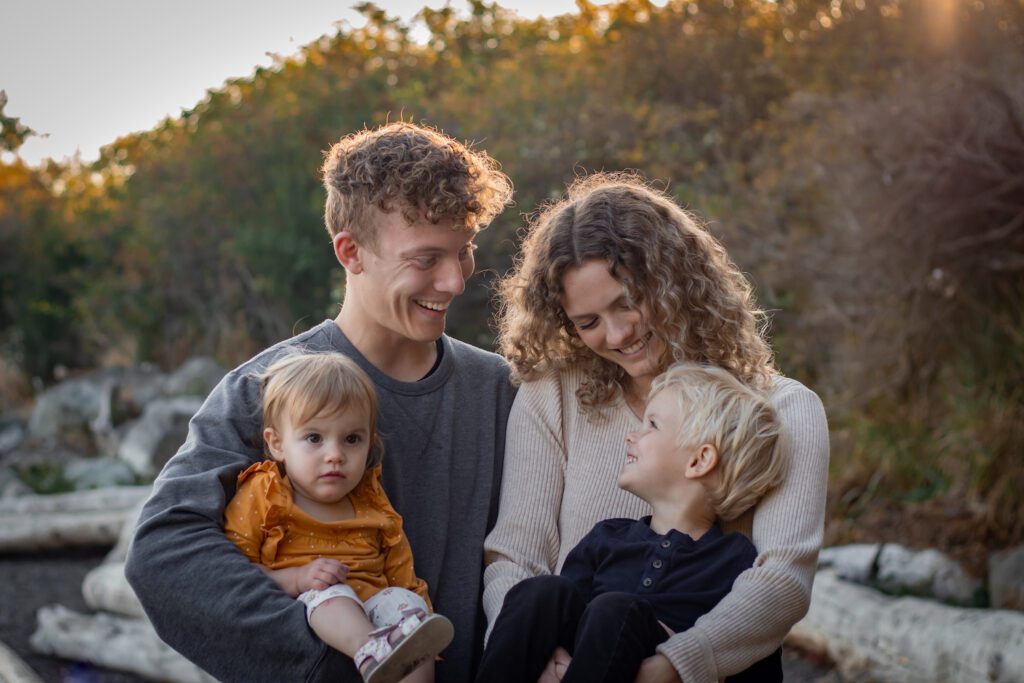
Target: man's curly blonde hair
x,y
700,305
414,169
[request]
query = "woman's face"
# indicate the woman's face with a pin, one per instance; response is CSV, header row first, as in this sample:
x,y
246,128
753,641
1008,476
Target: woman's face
x,y
596,304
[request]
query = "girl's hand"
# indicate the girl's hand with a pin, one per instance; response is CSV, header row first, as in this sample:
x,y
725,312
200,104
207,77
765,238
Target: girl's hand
x,y
319,574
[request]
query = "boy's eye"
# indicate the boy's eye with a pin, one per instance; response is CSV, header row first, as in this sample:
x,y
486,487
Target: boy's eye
x,y
652,424
314,438
425,261
466,251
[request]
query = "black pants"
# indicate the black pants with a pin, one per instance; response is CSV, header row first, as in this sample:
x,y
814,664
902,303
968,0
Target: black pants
x,y
608,637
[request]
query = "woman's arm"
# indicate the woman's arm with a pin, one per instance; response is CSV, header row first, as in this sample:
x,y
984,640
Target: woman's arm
x,y
767,599
525,540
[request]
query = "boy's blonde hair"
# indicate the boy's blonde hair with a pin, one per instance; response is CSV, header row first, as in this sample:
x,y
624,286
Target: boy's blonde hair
x,y
716,408
300,386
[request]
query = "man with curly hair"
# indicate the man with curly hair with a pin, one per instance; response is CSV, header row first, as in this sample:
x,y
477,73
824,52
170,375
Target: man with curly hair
x,y
404,204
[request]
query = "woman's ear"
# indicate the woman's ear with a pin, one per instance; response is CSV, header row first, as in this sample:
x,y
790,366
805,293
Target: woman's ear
x,y
348,252
273,441
702,462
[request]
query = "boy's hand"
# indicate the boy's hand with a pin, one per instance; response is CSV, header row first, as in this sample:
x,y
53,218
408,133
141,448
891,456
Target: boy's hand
x,y
319,574
657,669
556,667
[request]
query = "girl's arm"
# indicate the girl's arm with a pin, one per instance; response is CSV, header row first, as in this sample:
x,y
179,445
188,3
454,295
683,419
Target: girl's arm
x,y
317,575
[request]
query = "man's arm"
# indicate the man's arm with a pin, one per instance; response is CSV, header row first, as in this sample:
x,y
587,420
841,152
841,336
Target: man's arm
x,y
767,599
203,596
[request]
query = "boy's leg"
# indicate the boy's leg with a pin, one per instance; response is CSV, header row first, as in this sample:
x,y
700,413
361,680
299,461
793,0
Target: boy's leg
x,y
538,615
616,633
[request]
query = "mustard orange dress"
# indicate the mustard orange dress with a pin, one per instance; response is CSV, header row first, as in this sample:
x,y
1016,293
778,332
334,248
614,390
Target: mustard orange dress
x,y
263,520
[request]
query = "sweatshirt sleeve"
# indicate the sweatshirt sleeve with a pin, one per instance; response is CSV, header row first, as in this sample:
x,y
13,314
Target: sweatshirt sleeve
x,y
788,525
525,540
204,597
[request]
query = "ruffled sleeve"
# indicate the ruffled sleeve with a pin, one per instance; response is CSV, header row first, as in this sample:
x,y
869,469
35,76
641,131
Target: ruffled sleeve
x,y
370,493
254,519
398,565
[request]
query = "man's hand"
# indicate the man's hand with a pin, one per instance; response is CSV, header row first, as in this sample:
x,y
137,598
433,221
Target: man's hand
x,y
556,667
657,669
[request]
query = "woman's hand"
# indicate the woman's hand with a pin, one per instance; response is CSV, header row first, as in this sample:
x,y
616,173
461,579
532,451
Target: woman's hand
x,y
657,669
556,667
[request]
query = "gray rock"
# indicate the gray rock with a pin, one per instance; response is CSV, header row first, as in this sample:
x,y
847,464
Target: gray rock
x,y
12,433
851,562
98,473
1006,578
11,484
925,573
196,377
73,405
156,436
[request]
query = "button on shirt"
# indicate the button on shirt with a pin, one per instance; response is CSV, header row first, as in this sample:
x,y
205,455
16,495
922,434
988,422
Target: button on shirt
x,y
681,578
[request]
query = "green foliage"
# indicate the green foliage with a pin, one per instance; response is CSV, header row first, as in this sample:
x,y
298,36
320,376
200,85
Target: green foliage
x,y
45,477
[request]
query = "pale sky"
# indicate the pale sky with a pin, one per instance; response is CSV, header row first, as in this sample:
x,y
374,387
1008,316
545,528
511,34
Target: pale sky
x,y
88,71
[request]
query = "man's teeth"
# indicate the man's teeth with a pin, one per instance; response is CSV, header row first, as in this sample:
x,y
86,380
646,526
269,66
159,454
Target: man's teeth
x,y
433,306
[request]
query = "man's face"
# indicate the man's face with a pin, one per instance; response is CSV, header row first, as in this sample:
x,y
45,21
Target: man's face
x,y
412,275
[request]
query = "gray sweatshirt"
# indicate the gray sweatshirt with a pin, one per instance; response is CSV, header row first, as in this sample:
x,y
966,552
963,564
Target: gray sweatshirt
x,y
444,442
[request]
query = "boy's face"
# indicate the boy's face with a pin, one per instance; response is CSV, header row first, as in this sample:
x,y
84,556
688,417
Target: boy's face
x,y
408,280
324,457
655,462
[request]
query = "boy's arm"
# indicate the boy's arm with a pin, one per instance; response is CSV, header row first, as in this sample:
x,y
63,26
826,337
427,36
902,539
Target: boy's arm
x,y
582,561
767,599
206,599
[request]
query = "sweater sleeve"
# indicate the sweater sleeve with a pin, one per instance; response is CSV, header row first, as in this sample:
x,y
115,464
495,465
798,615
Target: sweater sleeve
x,y
788,525
204,598
525,540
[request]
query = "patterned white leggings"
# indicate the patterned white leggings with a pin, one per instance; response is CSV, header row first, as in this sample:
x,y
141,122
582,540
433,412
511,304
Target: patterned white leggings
x,y
382,609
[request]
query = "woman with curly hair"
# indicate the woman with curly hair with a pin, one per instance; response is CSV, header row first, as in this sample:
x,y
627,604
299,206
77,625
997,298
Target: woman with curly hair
x,y
615,283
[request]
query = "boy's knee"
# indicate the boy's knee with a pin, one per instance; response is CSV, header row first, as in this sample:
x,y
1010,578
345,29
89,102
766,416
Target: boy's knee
x,y
548,587
608,605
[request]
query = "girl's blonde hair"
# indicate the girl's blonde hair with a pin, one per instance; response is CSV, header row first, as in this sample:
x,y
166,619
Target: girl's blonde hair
x,y
715,408
701,306
300,385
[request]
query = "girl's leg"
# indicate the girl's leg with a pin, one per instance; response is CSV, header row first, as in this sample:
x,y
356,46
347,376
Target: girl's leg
x,y
341,623
616,633
538,615
413,638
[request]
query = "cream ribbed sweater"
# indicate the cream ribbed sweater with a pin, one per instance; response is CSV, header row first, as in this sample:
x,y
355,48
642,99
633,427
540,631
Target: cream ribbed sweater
x,y
560,479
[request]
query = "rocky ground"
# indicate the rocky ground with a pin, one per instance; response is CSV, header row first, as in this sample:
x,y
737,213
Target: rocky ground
x,y
27,582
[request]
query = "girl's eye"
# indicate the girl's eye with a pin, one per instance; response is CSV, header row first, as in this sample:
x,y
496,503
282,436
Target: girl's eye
x,y
314,438
590,324
353,439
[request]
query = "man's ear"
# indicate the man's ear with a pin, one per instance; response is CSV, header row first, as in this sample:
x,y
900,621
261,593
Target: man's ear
x,y
702,462
348,252
273,441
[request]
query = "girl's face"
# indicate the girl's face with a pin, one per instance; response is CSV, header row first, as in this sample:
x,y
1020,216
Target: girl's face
x,y
325,456
596,304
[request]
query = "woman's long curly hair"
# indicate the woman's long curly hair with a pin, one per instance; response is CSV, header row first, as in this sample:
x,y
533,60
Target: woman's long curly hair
x,y
700,305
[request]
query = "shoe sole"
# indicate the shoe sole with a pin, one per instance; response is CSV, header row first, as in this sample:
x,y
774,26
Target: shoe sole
x,y
433,636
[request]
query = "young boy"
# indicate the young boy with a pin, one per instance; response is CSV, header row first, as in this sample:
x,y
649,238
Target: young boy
x,y
706,451
404,204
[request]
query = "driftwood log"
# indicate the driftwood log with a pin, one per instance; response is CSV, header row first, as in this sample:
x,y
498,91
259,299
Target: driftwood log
x,y
113,642
876,637
105,589
13,669
81,518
